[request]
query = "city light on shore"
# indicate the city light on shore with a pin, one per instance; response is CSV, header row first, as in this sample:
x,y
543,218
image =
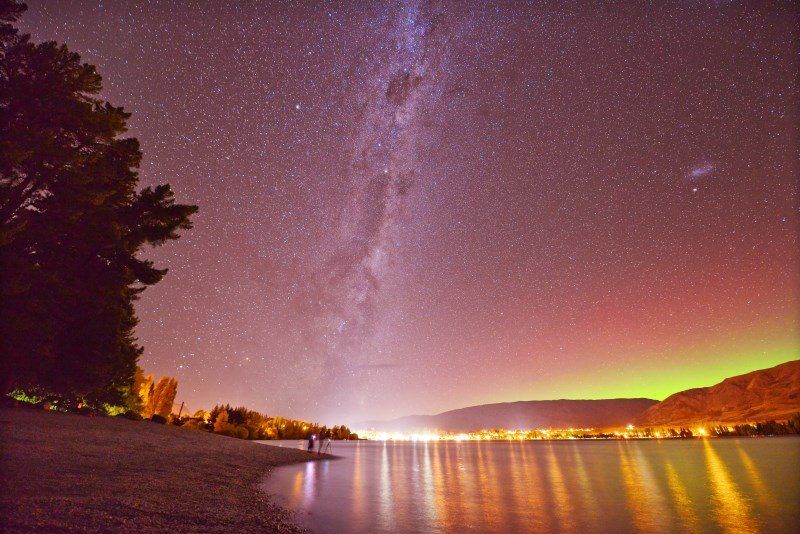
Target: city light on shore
x,y
629,432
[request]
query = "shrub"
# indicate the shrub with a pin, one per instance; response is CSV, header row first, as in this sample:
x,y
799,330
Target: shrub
x,y
158,419
241,432
225,429
194,424
130,414
84,410
113,410
253,433
28,398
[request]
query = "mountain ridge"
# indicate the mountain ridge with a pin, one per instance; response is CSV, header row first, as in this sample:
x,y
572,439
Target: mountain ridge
x,y
557,413
761,395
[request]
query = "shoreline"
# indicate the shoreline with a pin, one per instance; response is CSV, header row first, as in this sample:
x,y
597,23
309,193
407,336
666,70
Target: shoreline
x,y
68,471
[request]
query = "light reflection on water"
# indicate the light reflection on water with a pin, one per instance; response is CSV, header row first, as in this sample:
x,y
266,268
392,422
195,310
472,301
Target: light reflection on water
x,y
681,500
722,485
730,507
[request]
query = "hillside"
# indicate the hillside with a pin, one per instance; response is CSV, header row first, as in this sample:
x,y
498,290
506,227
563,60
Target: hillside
x,y
762,395
607,413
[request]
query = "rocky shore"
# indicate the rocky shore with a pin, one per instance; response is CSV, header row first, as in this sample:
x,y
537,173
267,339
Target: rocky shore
x,y
71,472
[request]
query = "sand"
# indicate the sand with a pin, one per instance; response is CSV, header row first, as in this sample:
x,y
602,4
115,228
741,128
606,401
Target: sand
x,y
72,472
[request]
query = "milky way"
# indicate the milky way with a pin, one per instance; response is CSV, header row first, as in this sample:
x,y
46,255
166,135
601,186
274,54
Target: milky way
x,y
380,177
410,207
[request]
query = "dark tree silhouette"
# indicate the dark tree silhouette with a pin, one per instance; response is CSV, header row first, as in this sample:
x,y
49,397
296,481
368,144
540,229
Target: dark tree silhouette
x,y
71,225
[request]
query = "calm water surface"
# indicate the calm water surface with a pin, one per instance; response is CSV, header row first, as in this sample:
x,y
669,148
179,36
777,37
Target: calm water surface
x,y
708,485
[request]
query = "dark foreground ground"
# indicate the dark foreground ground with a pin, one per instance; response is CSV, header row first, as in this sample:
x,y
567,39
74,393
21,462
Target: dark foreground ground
x,y
70,472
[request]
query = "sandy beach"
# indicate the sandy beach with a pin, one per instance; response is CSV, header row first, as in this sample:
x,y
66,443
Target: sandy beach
x,y
65,471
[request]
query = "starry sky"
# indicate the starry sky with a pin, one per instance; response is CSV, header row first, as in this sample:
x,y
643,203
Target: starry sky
x,y
408,207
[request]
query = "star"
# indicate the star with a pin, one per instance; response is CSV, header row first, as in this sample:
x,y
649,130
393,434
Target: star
x,y
470,207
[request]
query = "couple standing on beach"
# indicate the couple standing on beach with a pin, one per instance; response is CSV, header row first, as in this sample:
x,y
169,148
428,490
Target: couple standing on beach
x,y
323,436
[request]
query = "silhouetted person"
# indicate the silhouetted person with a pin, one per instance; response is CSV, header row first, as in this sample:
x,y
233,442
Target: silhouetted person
x,y
310,442
322,436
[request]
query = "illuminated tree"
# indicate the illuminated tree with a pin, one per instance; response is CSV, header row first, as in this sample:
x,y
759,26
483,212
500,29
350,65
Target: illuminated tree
x,y
139,399
222,420
163,397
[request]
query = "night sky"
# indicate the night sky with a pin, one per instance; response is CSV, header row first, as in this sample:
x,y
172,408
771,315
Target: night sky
x,y
412,207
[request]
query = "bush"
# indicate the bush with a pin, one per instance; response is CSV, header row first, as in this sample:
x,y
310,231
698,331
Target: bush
x,y
241,432
194,424
26,398
253,433
158,419
225,429
113,410
85,410
130,414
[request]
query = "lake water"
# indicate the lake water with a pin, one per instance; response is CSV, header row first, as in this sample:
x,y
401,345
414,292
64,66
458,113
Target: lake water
x,y
701,485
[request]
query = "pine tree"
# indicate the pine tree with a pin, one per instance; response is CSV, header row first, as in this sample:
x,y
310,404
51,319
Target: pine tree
x,y
71,226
